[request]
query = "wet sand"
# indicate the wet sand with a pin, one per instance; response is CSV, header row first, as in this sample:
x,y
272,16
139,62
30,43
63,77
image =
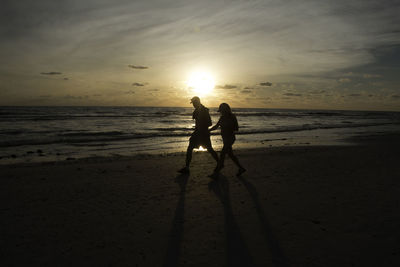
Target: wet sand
x,y
295,206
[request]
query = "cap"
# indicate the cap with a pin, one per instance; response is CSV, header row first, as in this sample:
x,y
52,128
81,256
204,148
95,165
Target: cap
x,y
195,99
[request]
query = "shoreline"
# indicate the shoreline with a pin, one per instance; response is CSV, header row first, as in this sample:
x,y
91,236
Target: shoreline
x,y
356,140
141,156
72,151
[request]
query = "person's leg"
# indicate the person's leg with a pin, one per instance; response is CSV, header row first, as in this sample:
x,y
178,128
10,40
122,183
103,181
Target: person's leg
x,y
213,153
236,161
206,142
221,160
189,155
234,158
188,159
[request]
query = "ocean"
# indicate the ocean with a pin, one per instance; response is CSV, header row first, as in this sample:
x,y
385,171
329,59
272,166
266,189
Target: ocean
x,y
38,134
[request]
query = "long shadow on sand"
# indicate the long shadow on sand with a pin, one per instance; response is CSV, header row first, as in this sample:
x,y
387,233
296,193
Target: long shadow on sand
x,y
278,256
237,251
176,233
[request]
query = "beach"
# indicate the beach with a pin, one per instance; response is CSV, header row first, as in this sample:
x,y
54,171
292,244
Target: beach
x,y
109,109
295,206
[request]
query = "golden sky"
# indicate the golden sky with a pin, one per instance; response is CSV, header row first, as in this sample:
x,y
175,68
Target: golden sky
x,y
273,54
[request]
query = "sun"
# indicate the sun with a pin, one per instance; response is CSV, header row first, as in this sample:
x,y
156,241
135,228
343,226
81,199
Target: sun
x,y
201,82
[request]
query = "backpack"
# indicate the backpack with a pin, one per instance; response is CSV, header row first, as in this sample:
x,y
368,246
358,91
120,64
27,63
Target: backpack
x,y
202,116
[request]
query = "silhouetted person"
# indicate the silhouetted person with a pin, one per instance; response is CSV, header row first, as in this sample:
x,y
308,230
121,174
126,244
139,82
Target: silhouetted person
x,y
201,135
229,126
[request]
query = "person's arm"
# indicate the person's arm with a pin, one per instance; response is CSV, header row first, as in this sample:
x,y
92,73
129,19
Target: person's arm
x,y
235,124
215,126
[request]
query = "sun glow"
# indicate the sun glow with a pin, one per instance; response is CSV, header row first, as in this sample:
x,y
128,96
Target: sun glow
x,y
201,149
201,82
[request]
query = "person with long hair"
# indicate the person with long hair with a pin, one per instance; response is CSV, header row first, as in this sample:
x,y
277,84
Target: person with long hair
x,y
229,125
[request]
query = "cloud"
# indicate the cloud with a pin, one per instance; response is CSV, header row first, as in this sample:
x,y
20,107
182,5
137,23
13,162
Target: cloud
x,y
154,90
66,79
266,84
45,96
252,99
246,91
76,97
349,74
138,67
291,94
316,37
354,95
344,80
137,84
357,76
369,76
51,73
130,92
226,86
317,92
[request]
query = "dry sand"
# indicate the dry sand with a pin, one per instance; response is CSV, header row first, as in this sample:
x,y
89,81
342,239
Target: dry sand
x,y
295,206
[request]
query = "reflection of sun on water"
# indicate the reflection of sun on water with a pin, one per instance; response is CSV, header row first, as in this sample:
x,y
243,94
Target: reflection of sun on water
x,y
201,82
201,149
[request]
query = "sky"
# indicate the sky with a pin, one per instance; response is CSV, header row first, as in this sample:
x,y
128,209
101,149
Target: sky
x,y
311,54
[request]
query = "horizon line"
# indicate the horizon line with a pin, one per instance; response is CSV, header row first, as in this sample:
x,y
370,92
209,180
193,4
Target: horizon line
x,y
125,106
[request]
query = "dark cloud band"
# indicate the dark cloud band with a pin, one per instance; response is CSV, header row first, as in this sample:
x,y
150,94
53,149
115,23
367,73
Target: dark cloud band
x,y
137,84
226,86
266,84
51,73
138,67
291,94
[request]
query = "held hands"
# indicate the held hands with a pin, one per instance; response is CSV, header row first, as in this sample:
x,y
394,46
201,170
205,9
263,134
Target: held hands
x,y
213,128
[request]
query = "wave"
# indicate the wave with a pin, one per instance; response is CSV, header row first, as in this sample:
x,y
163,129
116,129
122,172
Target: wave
x,y
23,131
284,114
309,127
115,136
111,133
174,129
75,117
172,115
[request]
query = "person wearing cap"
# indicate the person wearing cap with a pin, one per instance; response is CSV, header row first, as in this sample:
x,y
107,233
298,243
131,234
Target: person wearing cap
x,y
201,135
229,125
